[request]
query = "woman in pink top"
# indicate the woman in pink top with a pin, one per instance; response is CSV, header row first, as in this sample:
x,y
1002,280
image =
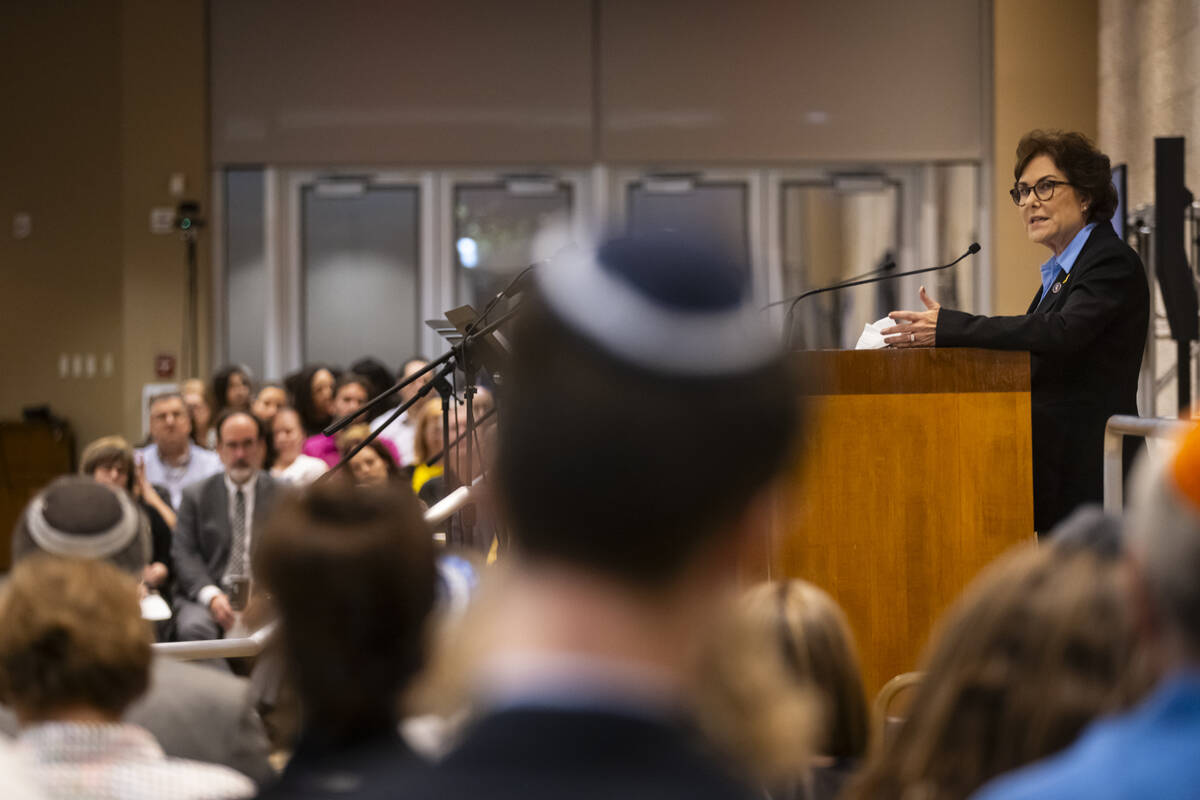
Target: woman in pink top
x,y
349,395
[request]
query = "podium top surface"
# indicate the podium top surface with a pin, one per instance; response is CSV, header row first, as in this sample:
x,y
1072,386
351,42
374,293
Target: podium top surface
x,y
912,371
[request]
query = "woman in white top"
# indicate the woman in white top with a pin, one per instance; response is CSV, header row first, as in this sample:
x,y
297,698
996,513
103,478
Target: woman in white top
x,y
74,654
291,465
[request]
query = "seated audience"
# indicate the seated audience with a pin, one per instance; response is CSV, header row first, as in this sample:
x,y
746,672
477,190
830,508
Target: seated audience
x,y
291,466
797,629
1039,646
350,648
1152,750
194,712
371,466
195,397
404,430
349,395
232,389
217,520
585,682
427,444
110,461
74,655
312,395
270,398
172,459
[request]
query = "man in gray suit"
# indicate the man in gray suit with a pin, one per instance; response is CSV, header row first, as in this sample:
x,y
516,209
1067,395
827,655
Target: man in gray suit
x,y
194,712
216,531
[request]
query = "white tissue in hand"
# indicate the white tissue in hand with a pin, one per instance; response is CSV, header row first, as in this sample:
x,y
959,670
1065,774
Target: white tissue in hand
x,y
871,338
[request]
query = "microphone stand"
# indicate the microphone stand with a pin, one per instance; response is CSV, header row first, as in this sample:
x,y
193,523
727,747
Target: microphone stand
x,y
887,266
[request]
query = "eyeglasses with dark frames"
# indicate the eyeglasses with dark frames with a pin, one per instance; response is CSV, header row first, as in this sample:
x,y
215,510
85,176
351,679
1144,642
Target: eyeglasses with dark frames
x,y
1043,190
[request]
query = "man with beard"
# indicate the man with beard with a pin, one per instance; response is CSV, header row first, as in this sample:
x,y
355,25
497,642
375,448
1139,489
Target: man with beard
x,y
216,528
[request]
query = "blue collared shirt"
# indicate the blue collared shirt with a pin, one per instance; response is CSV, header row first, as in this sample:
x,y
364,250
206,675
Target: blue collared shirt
x,y
1152,750
1066,260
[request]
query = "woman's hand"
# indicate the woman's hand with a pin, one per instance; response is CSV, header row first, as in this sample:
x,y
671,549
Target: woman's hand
x,y
920,328
144,491
154,574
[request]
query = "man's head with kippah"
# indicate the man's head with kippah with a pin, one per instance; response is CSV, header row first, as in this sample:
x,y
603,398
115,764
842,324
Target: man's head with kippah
x,y
1163,537
646,405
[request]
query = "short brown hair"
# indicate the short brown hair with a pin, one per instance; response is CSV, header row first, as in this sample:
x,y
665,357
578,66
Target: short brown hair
x,y
105,451
1039,646
354,643
1086,168
71,634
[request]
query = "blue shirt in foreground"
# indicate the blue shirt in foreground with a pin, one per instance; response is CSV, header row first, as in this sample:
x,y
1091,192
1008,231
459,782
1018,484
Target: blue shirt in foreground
x,y
1152,751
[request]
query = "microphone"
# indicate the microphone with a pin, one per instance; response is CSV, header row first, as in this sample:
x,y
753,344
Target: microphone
x,y
886,266
972,250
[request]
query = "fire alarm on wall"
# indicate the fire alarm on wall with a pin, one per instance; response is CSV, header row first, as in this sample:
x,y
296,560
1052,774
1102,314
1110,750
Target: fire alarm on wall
x,y
164,365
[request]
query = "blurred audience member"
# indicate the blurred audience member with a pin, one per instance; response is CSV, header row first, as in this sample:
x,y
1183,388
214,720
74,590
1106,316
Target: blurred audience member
x,y
1092,528
172,459
312,396
427,444
270,398
593,638
404,430
195,397
194,712
380,377
1154,749
232,389
371,466
349,395
18,784
1040,645
109,461
353,646
74,654
217,520
797,629
480,441
291,465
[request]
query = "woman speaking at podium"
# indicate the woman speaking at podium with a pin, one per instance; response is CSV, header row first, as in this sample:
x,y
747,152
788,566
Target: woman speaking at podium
x,y
1085,329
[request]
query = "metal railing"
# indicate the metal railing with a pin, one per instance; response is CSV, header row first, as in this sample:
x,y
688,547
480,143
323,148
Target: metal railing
x,y
253,644
1118,427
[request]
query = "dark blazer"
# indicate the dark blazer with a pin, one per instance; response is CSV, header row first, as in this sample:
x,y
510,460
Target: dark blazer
x,y
373,764
531,754
203,535
1086,343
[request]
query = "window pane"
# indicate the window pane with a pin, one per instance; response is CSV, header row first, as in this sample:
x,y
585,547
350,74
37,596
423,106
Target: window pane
x,y
360,267
245,268
831,235
496,233
707,211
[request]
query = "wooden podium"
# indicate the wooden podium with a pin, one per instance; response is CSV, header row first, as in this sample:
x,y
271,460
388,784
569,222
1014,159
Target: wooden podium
x,y
917,473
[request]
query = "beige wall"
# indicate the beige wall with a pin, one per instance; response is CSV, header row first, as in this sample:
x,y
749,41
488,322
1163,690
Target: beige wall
x,y
60,289
1045,58
105,101
164,130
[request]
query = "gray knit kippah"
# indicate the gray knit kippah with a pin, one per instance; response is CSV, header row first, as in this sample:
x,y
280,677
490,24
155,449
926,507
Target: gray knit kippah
x,y
77,517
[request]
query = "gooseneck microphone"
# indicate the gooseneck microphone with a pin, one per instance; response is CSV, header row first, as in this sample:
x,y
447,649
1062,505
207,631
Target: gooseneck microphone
x,y
972,250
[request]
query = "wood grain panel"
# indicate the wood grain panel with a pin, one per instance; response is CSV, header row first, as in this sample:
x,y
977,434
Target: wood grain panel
x,y
904,496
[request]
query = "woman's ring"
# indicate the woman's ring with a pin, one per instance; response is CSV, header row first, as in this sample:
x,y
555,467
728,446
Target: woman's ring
x,y
912,337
